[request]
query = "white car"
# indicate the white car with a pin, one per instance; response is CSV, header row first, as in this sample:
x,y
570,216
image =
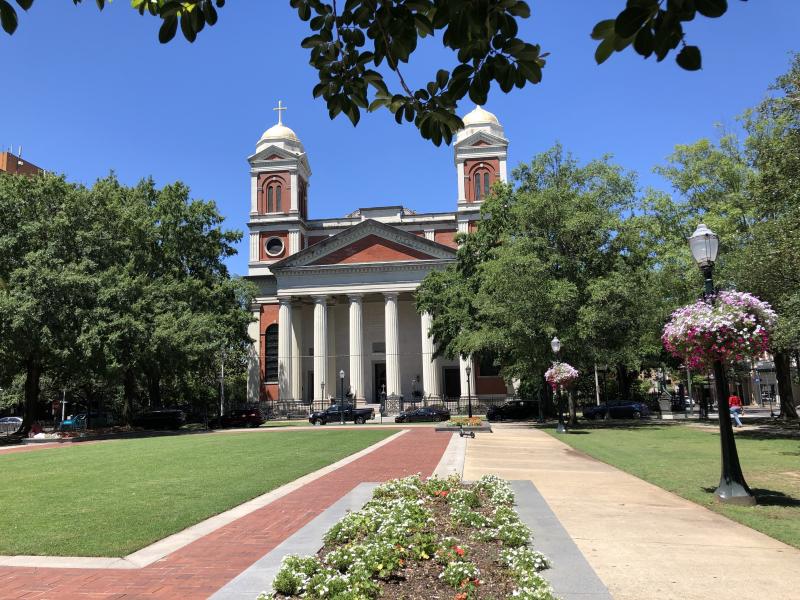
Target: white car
x,y
10,424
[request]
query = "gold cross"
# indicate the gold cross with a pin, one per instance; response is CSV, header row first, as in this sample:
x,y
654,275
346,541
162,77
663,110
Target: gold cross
x,y
280,108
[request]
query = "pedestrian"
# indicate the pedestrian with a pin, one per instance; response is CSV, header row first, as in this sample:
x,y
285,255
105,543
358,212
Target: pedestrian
x,y
735,405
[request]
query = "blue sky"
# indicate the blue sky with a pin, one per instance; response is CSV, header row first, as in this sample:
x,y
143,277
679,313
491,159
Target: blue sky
x,y
86,92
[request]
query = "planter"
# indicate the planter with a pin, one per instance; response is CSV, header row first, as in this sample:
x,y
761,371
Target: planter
x,y
485,428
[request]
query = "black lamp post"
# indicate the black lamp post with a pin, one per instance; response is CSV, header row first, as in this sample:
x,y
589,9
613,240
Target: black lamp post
x,y
468,371
555,344
341,396
732,488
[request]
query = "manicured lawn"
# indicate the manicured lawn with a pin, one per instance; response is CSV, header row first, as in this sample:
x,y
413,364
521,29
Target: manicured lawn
x,y
112,498
686,460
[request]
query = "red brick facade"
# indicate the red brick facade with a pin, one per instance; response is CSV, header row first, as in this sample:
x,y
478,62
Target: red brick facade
x,y
372,248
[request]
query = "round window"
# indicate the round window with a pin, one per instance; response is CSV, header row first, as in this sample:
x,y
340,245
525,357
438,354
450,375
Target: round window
x,y
274,246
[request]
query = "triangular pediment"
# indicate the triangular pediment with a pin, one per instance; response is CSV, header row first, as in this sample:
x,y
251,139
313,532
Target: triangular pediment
x,y
273,152
481,138
369,242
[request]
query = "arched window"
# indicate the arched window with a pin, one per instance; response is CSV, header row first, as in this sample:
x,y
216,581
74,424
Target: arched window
x,y
482,184
277,198
271,354
269,199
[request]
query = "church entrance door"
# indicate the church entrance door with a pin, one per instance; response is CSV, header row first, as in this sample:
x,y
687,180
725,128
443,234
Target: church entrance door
x,y
379,381
452,382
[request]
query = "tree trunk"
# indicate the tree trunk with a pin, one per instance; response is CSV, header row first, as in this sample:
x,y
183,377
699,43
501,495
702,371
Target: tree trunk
x,y
33,375
129,395
154,387
573,414
624,383
783,374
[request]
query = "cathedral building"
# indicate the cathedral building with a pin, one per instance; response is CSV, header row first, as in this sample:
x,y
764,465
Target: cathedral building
x,y
335,311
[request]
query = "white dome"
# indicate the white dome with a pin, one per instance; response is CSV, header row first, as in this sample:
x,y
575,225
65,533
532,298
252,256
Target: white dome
x,y
479,120
279,132
479,116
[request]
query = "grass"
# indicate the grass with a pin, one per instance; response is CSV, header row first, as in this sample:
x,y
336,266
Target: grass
x,y
112,498
686,461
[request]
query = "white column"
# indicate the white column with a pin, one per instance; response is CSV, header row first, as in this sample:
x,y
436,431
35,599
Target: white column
x,y
392,345
430,365
503,171
297,352
462,197
332,376
295,191
320,346
357,347
294,241
430,234
254,246
253,193
253,364
462,364
285,348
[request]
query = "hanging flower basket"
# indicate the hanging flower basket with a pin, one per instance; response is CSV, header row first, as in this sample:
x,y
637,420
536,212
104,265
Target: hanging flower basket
x,y
735,326
560,374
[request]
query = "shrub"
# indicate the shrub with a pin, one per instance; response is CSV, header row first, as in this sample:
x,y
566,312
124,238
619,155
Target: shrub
x,y
458,574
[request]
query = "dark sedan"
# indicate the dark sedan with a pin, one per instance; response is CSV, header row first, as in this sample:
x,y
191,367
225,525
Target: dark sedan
x,y
513,409
425,413
617,410
248,417
161,419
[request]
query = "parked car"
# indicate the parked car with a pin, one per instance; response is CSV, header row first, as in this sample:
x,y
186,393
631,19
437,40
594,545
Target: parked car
x,y
10,424
513,409
333,414
168,418
245,417
617,410
424,413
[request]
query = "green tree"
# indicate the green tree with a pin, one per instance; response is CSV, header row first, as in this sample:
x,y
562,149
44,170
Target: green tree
x,y
48,267
115,289
351,42
554,255
746,191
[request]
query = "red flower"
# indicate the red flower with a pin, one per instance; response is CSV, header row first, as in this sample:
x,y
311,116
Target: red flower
x,y
459,550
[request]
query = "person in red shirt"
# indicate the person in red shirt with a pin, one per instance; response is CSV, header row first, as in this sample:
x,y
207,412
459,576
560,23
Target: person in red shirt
x,y
735,405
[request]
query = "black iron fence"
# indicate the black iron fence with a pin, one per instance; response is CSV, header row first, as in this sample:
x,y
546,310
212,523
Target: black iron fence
x,y
291,409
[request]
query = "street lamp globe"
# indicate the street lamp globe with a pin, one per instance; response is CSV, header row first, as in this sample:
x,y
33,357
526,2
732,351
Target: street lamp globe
x,y
704,244
555,344
468,370
341,374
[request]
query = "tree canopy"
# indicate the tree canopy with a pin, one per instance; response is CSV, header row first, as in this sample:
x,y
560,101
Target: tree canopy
x,y
115,292
351,41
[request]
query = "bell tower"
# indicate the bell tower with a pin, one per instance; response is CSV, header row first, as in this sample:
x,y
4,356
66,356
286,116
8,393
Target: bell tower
x,y
279,174
481,151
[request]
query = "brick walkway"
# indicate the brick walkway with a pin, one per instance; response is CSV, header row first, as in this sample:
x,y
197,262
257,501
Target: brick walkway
x,y
204,566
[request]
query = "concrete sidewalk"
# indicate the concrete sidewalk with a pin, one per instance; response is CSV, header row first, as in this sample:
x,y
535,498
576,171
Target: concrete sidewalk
x,y
642,541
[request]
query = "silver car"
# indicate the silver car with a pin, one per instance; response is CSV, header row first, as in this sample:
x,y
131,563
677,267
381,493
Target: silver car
x,y
9,425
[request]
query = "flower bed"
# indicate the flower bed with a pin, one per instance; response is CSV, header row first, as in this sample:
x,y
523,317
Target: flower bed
x,y
464,422
436,538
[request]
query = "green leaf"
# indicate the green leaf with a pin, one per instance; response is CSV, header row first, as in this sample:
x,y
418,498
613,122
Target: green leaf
x,y
630,20
25,4
689,58
604,50
711,8
644,42
168,29
603,29
8,17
